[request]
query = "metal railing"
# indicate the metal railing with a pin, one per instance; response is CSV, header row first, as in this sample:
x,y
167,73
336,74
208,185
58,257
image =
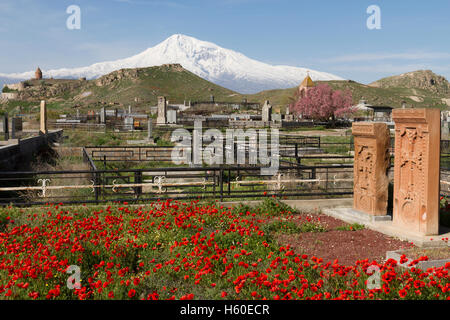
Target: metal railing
x,y
134,185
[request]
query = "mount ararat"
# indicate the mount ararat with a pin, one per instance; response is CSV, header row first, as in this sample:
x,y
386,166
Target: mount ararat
x,y
221,66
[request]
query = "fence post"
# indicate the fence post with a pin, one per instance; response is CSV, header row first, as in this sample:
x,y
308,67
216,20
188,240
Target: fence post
x,y
96,188
229,182
138,179
221,184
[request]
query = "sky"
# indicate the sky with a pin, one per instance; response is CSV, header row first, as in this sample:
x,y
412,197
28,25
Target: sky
x,y
330,36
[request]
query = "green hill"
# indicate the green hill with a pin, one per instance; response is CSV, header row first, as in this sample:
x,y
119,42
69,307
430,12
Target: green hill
x,y
389,95
140,88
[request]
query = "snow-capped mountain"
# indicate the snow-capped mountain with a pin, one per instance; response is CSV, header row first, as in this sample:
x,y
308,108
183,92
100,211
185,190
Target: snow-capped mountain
x,y
222,66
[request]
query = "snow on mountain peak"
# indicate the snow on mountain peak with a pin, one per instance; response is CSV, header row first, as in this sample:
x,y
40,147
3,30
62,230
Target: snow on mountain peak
x,y
222,66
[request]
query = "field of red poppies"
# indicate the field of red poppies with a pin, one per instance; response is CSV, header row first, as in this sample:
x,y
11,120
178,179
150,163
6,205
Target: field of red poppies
x,y
176,250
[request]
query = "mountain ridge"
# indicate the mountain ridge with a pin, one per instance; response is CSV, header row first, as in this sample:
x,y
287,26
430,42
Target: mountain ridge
x,y
225,67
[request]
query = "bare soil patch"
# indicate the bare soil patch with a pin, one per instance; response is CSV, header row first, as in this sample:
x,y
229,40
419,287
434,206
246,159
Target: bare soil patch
x,y
345,245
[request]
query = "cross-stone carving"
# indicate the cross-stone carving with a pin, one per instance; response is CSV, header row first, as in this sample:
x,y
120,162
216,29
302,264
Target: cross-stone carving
x,y
416,170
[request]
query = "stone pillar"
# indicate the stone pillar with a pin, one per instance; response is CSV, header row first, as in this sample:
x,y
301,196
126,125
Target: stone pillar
x,y
5,127
370,186
13,129
162,111
266,112
102,115
149,132
444,129
43,127
17,127
416,170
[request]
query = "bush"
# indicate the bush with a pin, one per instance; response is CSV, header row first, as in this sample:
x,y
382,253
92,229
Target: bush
x,y
6,89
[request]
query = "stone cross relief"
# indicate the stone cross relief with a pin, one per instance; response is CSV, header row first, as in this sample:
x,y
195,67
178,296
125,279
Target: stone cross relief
x,y
411,159
364,167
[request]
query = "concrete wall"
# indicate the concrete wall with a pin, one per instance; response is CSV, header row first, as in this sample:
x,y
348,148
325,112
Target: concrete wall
x,y
19,155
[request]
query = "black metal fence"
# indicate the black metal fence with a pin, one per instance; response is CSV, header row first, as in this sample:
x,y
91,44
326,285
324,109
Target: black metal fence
x,y
134,185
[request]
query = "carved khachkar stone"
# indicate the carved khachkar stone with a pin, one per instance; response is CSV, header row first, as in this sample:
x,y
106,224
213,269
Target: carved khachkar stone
x,y
267,112
416,170
43,118
162,111
370,189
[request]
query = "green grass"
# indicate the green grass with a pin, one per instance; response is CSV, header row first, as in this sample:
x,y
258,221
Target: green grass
x,y
287,227
351,227
312,227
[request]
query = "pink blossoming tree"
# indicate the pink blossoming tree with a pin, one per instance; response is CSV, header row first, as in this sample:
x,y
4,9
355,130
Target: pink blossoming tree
x,y
323,103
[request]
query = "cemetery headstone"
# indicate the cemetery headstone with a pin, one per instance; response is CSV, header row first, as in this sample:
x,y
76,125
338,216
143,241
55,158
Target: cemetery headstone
x,y
162,111
5,127
149,132
371,161
102,115
16,127
276,117
128,123
43,119
172,116
416,170
267,112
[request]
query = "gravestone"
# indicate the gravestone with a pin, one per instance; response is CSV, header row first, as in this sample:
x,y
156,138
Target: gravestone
x,y
172,116
43,119
267,112
149,132
128,123
5,127
416,170
162,111
445,129
16,127
276,117
371,162
102,115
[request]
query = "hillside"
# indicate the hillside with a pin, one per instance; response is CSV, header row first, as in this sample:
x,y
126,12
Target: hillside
x,y
135,87
140,88
382,94
421,79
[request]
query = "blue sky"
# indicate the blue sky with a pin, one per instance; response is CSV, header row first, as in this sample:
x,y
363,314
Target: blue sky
x,y
326,35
